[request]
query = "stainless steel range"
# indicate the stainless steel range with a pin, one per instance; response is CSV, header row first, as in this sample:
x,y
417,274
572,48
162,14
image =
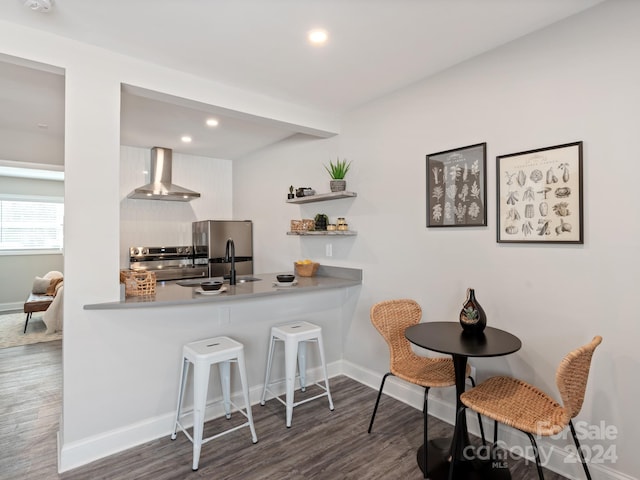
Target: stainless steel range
x,y
168,263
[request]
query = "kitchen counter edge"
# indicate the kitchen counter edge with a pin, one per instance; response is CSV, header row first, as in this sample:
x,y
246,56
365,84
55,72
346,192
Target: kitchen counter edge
x,y
170,293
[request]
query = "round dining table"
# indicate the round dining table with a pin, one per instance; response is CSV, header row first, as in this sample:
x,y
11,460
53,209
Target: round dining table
x,y
454,462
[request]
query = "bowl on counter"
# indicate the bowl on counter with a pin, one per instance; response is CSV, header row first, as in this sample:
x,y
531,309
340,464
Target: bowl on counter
x,y
210,286
285,278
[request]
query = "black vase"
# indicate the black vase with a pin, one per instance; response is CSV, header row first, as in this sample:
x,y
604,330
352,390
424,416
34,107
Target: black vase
x,y
472,316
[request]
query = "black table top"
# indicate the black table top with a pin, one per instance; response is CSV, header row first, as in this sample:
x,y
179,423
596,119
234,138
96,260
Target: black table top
x,y
449,338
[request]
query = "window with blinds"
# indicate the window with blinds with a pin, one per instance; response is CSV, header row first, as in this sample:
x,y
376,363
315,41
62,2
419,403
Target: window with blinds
x,y
31,224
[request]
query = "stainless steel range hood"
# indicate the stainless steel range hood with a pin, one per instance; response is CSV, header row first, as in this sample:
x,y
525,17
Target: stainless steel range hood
x,y
161,187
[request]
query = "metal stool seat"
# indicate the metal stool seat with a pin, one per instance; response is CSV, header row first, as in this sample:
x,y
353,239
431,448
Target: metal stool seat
x,y
203,354
295,337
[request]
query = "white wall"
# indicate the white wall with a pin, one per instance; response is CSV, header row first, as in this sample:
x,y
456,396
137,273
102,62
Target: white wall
x,y
261,185
577,80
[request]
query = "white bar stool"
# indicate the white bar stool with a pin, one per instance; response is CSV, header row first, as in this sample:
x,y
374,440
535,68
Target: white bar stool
x,y
203,354
295,337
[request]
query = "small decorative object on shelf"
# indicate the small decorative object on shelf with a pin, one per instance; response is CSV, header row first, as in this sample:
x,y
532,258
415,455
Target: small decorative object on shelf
x,y
338,171
305,192
321,221
304,225
290,195
338,185
342,225
472,316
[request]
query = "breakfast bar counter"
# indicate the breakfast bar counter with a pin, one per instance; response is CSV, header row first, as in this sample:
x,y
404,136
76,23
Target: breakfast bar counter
x,y
144,338
188,292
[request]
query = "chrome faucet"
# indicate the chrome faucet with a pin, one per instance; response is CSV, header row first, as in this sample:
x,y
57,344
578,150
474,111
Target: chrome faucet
x,y
230,256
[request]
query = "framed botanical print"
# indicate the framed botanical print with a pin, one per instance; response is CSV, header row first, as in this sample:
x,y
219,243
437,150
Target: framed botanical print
x,y
457,187
540,195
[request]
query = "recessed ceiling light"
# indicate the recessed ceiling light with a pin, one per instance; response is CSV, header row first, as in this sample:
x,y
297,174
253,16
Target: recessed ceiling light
x,y
212,122
186,138
318,36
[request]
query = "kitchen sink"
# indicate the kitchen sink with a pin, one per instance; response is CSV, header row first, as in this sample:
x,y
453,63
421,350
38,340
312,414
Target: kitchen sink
x,y
193,282
244,279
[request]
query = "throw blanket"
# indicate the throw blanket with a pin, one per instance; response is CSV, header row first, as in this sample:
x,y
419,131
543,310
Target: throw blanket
x,y
53,284
52,317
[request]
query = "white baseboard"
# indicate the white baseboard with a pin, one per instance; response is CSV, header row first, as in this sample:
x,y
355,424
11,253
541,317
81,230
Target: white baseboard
x,y
13,307
76,454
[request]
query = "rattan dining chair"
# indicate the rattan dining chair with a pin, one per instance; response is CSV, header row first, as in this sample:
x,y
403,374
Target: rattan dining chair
x,y
522,406
391,318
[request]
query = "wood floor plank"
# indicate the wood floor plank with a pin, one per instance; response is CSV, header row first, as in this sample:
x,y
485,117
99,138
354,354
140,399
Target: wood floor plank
x,y
320,445
30,406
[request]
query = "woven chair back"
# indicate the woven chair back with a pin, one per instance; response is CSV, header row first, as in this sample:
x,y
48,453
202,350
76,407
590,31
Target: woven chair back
x,y
572,375
391,318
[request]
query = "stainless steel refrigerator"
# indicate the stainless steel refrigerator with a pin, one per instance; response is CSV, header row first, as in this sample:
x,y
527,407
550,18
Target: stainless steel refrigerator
x,y
210,245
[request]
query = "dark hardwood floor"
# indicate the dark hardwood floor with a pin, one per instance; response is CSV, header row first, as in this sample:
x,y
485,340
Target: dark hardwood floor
x,y
30,407
320,445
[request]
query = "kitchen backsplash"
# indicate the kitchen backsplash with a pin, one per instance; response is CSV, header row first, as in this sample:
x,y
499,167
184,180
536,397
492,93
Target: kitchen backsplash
x,y
158,223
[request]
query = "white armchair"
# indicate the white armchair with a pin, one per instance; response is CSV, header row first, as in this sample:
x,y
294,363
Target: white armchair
x,y
43,297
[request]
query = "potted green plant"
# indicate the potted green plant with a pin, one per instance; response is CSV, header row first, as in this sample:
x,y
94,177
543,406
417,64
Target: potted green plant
x,y
321,221
338,171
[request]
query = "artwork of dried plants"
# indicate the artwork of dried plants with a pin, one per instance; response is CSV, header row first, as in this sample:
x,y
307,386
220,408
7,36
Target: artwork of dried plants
x,y
457,187
540,195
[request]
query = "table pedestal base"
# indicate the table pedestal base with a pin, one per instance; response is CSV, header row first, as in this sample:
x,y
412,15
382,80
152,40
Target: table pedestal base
x,y
439,464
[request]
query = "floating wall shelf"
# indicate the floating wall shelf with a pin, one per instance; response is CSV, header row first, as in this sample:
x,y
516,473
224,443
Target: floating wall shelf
x,y
345,233
322,197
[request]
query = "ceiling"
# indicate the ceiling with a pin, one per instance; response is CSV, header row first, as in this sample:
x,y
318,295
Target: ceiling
x,y
375,47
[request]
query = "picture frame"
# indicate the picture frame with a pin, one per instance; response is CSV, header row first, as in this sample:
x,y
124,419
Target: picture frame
x,y
539,195
457,187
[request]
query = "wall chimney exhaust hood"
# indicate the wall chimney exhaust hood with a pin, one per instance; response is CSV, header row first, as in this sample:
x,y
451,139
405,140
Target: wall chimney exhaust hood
x,y
161,187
